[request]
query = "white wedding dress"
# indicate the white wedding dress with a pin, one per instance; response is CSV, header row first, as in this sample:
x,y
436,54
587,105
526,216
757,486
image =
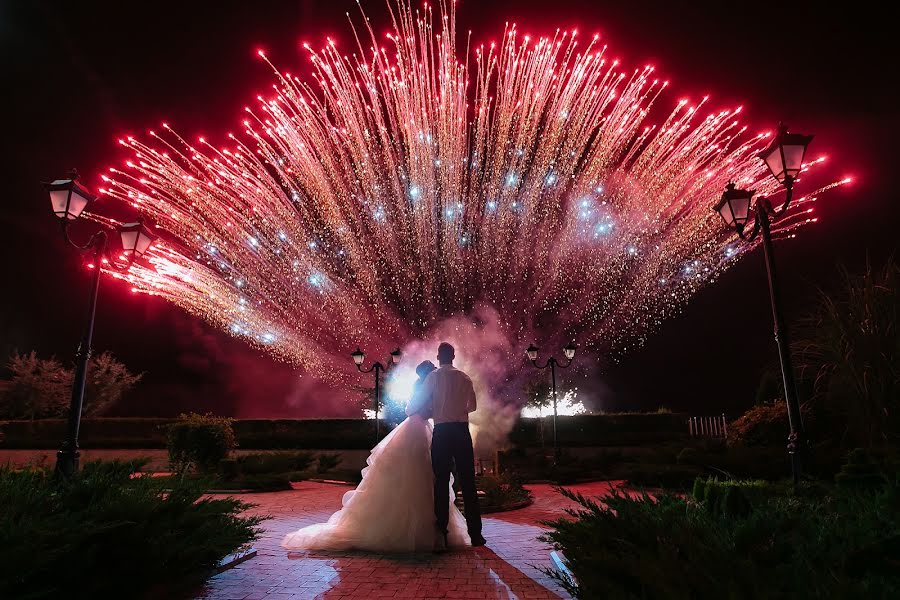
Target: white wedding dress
x,y
391,510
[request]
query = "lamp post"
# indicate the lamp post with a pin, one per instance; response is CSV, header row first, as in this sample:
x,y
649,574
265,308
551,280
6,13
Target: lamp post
x,y
569,352
784,158
358,357
69,199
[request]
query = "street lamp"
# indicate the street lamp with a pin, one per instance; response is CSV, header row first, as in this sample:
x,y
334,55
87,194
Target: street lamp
x,y
68,199
784,159
569,352
358,357
136,239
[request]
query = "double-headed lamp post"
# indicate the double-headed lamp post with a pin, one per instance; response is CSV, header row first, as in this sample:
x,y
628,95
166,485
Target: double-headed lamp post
x,y
358,357
69,199
784,158
569,352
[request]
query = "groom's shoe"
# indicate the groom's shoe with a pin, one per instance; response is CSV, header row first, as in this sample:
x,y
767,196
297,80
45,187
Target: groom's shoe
x,y
440,543
478,540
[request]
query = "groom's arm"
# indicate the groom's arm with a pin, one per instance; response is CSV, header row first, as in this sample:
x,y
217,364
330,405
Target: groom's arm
x,y
471,404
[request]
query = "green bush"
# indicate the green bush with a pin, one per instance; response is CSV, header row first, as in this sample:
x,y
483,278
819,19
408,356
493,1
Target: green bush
x,y
228,469
501,491
865,469
656,475
731,497
763,425
327,462
269,482
107,534
199,442
689,456
274,462
845,545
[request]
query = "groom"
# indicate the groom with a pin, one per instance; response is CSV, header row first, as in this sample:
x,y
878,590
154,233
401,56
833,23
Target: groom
x,y
451,395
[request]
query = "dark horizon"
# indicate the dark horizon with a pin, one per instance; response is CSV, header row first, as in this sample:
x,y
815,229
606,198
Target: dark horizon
x,y
81,76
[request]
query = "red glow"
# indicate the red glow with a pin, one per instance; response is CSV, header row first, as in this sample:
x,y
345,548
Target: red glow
x,y
191,195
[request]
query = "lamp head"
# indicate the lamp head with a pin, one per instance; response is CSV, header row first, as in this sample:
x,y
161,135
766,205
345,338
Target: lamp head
x,y
358,356
68,197
734,206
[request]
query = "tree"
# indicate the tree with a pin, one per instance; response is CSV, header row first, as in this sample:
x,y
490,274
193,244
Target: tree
x,y
537,393
849,354
38,388
770,388
41,388
108,380
388,411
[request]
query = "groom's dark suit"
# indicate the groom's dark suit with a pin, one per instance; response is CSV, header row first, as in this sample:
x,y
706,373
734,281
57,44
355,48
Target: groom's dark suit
x,y
451,396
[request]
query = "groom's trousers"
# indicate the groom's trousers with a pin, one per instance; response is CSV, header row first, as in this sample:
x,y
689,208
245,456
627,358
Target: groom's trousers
x,y
452,442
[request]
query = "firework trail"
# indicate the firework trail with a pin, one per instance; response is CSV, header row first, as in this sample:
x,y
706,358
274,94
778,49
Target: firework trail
x,y
397,186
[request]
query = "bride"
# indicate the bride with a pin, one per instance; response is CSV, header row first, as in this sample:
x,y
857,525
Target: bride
x,y
392,509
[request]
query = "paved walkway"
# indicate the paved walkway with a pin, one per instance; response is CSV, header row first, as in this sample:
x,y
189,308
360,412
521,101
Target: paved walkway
x,y
508,567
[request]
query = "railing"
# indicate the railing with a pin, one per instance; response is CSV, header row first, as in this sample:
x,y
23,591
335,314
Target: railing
x,y
708,427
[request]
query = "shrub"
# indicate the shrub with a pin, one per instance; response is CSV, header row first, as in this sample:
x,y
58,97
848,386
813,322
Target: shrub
x,y
656,475
848,352
327,462
862,470
265,463
763,425
689,456
730,497
199,442
105,534
501,491
228,469
841,546
269,482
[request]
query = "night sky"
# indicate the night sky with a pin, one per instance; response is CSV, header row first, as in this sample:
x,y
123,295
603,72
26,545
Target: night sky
x,y
76,76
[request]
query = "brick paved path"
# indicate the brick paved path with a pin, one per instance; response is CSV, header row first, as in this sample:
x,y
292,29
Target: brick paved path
x,y
508,567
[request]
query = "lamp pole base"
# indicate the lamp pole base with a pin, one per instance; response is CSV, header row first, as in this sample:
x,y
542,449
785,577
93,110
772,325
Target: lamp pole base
x,y
67,461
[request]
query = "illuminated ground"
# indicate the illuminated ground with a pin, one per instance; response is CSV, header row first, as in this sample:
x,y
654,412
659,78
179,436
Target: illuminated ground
x,y
508,567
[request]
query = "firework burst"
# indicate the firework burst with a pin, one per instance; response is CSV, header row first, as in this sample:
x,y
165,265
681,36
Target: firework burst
x,y
401,183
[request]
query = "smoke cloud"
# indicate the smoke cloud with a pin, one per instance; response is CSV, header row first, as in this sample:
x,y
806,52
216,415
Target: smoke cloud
x,y
491,357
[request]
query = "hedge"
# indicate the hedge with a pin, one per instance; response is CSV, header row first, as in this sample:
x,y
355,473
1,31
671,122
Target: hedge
x,y
319,434
630,429
95,433
624,429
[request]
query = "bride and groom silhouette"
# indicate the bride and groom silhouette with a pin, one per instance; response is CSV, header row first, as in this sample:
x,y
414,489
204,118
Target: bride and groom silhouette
x,y
405,501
